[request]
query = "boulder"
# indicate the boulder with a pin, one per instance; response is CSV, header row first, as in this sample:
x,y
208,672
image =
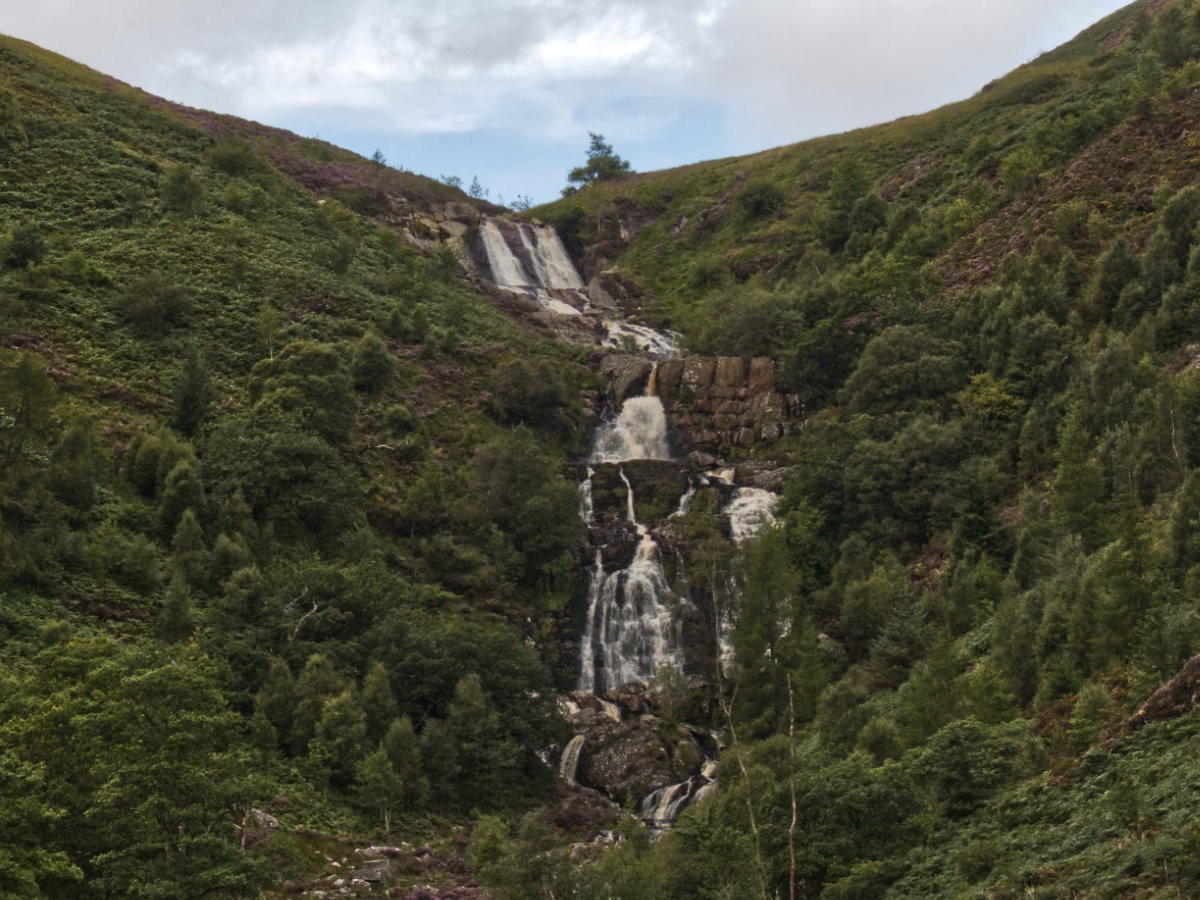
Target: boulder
x,y
626,375
629,760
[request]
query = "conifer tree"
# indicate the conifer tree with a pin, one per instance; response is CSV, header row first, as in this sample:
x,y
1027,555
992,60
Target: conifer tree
x,y
318,682
192,395
175,623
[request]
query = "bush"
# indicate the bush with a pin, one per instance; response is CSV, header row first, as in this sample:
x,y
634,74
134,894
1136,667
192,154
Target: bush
x,y
153,304
760,199
27,246
371,366
182,192
234,157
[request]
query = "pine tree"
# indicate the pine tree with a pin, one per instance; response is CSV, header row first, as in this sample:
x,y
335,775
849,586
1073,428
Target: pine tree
x,y
182,491
192,395
338,741
190,558
318,682
276,699
371,366
176,623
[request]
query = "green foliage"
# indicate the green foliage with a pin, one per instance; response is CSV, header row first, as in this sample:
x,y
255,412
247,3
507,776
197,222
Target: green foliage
x,y
371,366
235,157
26,246
310,381
153,305
135,749
192,395
602,164
760,199
182,192
531,393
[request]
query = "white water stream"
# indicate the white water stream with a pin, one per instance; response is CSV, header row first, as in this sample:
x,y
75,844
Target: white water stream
x,y
632,626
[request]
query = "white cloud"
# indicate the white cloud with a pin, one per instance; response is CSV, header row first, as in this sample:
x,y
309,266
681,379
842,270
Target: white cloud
x,y
781,69
792,69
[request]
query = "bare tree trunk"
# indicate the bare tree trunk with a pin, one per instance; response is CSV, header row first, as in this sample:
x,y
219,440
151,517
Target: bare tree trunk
x,y
759,866
792,788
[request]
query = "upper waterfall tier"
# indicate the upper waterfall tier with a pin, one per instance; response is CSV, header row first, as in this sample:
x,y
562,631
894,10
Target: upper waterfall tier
x,y
524,256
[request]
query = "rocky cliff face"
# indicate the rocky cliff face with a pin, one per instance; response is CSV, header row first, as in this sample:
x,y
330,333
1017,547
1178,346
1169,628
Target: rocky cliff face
x,y
713,403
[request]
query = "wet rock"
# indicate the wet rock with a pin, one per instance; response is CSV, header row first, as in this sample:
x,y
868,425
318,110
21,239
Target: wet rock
x,y
626,375
629,697
264,819
714,402
581,813
631,759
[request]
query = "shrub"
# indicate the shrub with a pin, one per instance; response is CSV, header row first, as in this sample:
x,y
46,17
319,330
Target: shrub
x,y
760,199
371,366
27,246
234,157
153,304
182,192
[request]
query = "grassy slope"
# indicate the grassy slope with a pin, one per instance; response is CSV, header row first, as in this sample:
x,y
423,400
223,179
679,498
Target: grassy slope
x,y
682,215
91,176
1105,824
86,161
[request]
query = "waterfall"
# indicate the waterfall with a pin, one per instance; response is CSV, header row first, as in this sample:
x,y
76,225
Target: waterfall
x,y
631,628
750,510
552,267
506,269
639,432
628,337
587,509
685,502
568,766
661,808
610,709
530,259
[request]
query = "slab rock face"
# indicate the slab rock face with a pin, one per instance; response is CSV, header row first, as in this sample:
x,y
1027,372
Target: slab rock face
x,y
712,402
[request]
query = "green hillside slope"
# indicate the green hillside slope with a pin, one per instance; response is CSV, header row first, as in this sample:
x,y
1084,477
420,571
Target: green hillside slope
x,y
289,544
987,556
251,442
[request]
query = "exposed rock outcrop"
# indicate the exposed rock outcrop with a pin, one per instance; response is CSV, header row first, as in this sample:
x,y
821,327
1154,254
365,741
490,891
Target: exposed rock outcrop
x,y
631,759
712,402
1177,697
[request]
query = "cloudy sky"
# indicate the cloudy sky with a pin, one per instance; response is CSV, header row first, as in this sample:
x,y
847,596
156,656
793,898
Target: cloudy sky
x,y
507,90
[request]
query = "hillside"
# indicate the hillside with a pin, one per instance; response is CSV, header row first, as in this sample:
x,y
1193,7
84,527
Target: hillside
x,y
295,556
249,417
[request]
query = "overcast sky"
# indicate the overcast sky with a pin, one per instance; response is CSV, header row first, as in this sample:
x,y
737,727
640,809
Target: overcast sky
x,y
508,89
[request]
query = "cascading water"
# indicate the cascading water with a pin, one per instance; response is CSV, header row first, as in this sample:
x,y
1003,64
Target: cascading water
x,y
663,806
568,766
633,622
660,809
631,626
750,510
639,432
531,259
587,507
